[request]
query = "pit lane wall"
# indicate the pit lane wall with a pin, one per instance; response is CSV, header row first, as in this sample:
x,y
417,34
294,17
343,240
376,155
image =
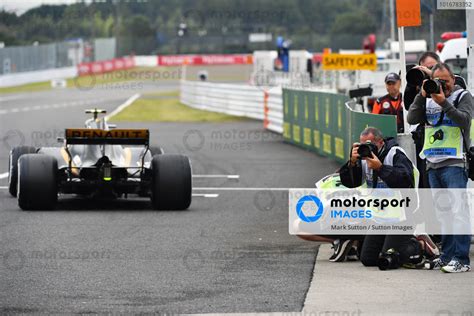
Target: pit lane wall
x,y
328,123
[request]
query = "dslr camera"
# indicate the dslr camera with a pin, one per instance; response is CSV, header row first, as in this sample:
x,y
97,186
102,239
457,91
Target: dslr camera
x,y
389,260
434,86
366,149
409,255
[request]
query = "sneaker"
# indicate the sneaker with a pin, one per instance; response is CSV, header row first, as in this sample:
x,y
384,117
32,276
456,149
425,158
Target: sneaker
x,y
352,254
417,266
435,264
455,266
341,248
431,250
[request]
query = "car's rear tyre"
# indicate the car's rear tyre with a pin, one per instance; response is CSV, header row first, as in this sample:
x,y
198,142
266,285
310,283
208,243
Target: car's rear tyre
x,y
155,150
15,154
171,182
37,182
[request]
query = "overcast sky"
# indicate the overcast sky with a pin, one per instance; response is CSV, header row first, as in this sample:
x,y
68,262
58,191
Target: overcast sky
x,y
20,6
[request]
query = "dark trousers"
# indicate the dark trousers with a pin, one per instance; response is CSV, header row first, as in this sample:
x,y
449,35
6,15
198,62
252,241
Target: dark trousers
x,y
374,245
419,138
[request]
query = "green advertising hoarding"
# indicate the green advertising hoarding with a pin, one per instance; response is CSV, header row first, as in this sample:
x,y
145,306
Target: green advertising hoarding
x,y
321,122
360,120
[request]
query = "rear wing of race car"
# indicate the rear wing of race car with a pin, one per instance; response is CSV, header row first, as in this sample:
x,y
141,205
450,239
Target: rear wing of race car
x,y
87,136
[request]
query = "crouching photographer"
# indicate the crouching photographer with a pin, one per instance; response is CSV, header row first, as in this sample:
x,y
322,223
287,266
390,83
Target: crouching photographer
x,y
381,163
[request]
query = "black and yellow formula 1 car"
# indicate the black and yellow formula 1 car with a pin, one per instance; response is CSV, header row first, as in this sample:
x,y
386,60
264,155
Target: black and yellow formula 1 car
x,y
100,160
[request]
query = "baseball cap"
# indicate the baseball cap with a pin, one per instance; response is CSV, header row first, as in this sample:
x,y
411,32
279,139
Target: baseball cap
x,y
392,77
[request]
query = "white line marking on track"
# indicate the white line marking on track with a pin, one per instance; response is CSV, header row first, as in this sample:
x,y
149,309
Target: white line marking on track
x,y
210,195
13,97
214,195
228,176
3,175
49,106
244,189
122,106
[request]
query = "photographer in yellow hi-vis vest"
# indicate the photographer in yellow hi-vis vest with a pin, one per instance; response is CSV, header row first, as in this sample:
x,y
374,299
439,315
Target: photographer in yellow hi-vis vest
x,y
445,110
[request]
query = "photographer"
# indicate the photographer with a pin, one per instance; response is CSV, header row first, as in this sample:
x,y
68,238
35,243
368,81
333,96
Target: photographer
x,y
384,166
391,103
396,171
426,62
445,111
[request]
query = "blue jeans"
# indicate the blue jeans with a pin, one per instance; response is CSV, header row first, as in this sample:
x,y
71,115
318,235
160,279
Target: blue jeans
x,y
454,246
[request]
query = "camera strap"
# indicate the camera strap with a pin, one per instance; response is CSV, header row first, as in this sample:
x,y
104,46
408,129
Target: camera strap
x,y
375,174
455,104
375,179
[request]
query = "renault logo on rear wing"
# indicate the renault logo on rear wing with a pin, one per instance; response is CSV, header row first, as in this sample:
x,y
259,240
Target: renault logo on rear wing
x,y
87,136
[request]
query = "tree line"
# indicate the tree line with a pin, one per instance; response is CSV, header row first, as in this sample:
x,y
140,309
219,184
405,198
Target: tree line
x,y
170,26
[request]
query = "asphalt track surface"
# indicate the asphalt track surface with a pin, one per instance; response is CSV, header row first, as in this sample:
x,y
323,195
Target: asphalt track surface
x,y
228,253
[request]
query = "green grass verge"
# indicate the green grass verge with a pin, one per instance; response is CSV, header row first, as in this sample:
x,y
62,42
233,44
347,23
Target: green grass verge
x,y
134,74
31,87
166,107
142,74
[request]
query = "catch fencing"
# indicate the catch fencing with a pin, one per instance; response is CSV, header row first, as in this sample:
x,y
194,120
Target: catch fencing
x,y
18,59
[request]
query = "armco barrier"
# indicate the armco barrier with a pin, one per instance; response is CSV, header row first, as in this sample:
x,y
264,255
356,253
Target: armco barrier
x,y
325,123
235,99
20,78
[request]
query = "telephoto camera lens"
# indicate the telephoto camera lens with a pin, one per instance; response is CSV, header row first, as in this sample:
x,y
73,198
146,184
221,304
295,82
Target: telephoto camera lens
x,y
366,149
432,86
415,77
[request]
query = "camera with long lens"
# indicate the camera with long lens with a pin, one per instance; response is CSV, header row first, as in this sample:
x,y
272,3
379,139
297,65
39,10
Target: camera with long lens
x,y
434,86
366,150
415,76
389,260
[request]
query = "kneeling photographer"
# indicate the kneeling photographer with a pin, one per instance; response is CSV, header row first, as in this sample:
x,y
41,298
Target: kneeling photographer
x,y
381,163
